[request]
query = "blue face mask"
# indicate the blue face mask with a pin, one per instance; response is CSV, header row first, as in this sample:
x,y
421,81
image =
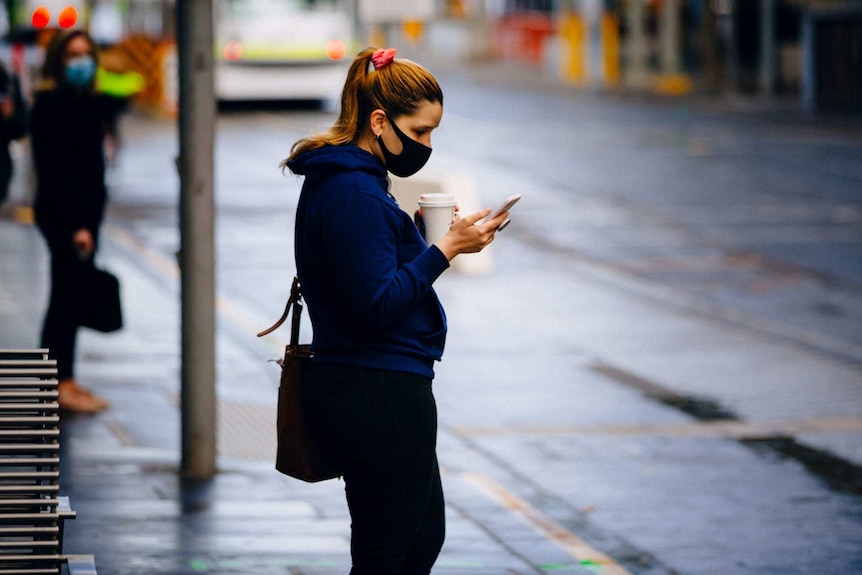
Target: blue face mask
x,y
80,71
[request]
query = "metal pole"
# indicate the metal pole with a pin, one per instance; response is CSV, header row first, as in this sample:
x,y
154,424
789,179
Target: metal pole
x,y
670,37
768,59
710,37
809,62
637,47
197,253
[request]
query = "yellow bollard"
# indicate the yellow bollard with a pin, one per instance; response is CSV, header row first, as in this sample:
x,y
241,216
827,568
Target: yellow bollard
x,y
455,9
672,85
610,27
378,36
413,30
574,49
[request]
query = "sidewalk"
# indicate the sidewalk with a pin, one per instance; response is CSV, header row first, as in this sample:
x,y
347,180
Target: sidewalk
x,y
138,516
120,468
559,375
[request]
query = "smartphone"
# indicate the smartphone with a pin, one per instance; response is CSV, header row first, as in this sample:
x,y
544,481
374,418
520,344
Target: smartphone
x,y
504,207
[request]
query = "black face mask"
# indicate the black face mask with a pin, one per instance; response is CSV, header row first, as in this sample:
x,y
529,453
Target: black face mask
x,y
412,157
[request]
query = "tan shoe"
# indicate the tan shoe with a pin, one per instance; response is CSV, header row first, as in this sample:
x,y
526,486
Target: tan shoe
x,y
72,397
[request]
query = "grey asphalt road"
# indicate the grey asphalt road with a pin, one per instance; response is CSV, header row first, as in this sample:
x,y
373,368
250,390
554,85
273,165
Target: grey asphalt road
x,y
660,371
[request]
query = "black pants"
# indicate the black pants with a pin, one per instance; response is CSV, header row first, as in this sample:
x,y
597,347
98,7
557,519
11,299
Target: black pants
x,y
382,427
70,284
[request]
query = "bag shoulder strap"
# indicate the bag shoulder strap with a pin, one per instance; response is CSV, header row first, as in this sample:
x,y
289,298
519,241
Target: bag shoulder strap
x,y
294,303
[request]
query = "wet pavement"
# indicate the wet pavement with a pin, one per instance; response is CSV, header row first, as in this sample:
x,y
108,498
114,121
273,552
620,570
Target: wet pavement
x,y
595,418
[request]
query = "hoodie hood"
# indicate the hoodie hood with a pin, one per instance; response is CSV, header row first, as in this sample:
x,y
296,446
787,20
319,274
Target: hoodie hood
x,y
334,159
366,271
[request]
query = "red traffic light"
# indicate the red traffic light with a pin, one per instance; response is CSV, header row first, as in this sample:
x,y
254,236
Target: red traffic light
x,y
68,17
41,17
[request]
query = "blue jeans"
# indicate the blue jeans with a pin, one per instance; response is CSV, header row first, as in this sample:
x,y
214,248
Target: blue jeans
x,y
381,426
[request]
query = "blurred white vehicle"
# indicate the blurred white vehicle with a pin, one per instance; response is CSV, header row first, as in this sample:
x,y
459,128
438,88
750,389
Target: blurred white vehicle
x,y
282,49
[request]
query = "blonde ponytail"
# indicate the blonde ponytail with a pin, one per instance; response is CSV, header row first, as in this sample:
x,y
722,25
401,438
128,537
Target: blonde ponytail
x,y
398,88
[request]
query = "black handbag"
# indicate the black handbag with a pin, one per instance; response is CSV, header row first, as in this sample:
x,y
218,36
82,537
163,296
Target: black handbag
x,y
298,454
103,310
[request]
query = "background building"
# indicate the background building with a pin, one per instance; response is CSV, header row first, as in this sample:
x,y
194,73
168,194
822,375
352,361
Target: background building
x,y
804,50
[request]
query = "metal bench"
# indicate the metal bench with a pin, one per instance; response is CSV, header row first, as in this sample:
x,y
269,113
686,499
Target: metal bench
x,y
32,512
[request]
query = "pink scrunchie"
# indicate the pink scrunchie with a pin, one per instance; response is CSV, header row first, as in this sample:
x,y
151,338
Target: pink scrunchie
x,y
382,57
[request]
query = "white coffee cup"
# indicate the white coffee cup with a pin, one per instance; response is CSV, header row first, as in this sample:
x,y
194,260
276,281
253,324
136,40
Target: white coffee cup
x,y
437,213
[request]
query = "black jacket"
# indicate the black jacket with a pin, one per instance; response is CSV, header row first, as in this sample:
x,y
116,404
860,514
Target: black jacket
x,y
11,128
67,131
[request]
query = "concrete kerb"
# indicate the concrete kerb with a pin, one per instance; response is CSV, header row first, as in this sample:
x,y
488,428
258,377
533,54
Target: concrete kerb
x,y
464,188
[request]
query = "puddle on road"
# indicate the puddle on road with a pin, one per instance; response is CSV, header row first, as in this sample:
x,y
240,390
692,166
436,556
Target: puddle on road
x,y
838,473
700,408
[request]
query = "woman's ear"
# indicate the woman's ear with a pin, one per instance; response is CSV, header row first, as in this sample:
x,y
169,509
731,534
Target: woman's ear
x,y
377,121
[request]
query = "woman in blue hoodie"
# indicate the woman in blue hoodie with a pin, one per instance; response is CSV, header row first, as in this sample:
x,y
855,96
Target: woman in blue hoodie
x,y
367,274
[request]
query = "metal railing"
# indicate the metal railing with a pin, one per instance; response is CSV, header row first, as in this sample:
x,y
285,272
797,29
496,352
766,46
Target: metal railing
x,y
32,512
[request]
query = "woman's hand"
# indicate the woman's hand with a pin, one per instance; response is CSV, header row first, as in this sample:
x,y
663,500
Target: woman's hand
x,y
465,236
83,243
7,107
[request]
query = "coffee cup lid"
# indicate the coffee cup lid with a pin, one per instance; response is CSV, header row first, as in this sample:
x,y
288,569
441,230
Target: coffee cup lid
x,y
437,199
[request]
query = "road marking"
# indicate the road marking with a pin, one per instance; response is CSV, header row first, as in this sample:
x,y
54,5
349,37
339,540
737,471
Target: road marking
x,y
246,430
156,261
169,269
726,429
582,551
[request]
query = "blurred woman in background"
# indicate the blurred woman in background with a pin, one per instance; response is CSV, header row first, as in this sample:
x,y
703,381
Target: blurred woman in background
x,y
69,124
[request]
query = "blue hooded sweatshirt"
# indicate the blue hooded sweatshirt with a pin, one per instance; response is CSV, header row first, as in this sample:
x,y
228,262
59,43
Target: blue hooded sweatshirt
x,y
365,270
